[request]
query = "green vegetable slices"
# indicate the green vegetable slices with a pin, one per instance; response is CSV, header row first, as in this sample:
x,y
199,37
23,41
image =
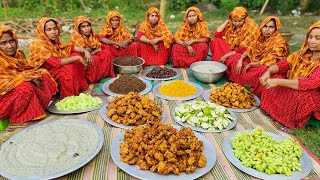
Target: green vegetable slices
x,y
206,115
76,103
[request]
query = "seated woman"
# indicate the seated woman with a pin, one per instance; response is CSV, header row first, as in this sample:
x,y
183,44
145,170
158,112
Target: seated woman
x,y
83,36
48,52
25,91
191,39
155,38
234,35
268,49
293,98
115,38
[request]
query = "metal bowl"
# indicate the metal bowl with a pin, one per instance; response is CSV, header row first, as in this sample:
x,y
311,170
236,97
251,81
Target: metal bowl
x,y
208,71
128,69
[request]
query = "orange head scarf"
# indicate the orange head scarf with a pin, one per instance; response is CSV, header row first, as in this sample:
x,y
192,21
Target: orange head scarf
x,y
119,34
300,61
42,48
185,33
13,69
83,41
243,36
160,30
271,50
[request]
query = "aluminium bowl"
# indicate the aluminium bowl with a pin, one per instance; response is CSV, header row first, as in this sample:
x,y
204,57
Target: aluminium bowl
x,y
119,69
208,71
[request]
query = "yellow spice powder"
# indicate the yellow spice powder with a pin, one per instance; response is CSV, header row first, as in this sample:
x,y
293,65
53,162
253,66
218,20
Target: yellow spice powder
x,y
177,88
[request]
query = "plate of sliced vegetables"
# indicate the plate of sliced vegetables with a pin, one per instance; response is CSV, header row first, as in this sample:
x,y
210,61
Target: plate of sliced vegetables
x,y
204,116
266,155
77,104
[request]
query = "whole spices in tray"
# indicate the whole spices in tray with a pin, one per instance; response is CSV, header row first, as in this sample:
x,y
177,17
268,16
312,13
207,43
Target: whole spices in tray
x,y
127,61
127,83
161,72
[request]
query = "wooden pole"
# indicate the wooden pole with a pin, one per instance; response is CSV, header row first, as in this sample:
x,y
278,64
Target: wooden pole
x,y
163,4
5,6
264,6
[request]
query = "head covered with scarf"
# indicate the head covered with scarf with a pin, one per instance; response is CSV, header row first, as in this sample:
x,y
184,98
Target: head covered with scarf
x,y
43,48
160,30
82,40
120,33
201,31
243,36
271,50
301,64
15,70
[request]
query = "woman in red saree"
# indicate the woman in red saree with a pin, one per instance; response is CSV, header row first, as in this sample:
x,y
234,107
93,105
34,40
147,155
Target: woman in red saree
x,y
115,38
155,39
292,98
48,52
191,39
25,91
83,36
234,35
268,49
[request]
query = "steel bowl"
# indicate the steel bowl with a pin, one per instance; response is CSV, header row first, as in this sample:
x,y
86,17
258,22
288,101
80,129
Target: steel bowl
x,y
128,69
208,71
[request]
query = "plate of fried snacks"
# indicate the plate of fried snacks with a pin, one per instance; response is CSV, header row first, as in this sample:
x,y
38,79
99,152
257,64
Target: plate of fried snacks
x,y
166,152
77,104
232,96
127,111
267,155
126,83
177,90
50,150
204,116
161,73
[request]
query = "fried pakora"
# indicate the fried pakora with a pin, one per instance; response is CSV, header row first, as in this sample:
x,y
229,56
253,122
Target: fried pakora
x,y
133,109
163,149
233,95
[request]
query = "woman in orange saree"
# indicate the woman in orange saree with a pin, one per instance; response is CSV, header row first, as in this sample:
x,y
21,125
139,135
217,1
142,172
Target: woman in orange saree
x,y
234,35
268,49
292,98
155,39
191,39
83,36
115,38
25,91
47,51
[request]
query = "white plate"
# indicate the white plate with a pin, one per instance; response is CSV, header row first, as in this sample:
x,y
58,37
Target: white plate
x,y
103,114
206,97
52,107
145,72
105,87
305,161
45,168
197,94
200,129
134,170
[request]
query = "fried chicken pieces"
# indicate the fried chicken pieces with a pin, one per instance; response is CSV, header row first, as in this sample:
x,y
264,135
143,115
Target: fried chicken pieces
x,y
133,109
233,95
163,149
